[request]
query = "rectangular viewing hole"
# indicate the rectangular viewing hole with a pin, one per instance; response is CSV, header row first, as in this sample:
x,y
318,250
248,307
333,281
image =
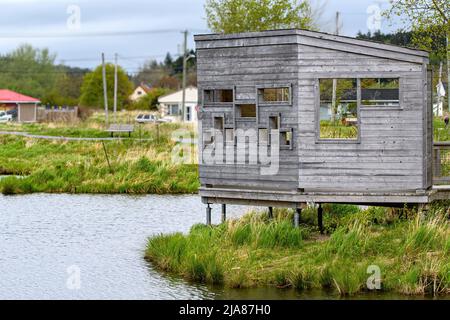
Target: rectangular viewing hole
x,y
246,110
218,95
338,109
286,138
208,138
229,136
382,92
274,94
218,123
274,123
263,136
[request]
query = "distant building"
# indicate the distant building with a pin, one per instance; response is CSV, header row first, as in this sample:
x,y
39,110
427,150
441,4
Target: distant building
x,y
26,106
139,92
170,105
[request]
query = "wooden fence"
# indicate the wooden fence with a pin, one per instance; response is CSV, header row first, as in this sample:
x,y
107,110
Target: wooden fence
x,y
441,163
68,114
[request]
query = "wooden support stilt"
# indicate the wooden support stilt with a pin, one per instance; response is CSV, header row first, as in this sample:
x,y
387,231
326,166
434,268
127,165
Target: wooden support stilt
x,y
423,210
320,218
208,215
224,213
297,217
270,213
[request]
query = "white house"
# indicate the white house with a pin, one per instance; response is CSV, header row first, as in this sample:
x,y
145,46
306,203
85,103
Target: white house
x,y
139,92
170,105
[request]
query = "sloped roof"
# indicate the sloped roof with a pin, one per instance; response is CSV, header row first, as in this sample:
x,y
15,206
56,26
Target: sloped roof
x,y
312,38
177,97
144,87
8,96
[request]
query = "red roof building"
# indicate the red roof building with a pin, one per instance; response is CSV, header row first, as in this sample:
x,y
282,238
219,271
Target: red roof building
x,y
26,106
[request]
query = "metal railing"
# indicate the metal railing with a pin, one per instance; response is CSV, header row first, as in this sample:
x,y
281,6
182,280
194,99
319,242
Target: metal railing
x,y
441,163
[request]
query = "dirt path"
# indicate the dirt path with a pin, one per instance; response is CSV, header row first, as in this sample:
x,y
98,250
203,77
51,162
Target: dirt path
x,y
28,135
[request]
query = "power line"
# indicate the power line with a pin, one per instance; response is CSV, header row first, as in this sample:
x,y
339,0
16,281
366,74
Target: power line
x,y
94,34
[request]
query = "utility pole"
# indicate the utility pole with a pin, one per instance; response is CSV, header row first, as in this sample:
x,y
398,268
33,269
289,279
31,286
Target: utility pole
x,y
115,87
333,103
183,103
448,71
439,89
105,92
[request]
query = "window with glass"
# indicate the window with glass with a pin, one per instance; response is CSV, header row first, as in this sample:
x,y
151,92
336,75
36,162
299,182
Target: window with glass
x,y
173,110
382,92
339,109
218,96
267,95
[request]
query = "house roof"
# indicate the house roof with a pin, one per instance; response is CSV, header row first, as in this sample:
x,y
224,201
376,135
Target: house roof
x,y
301,36
8,96
144,87
177,97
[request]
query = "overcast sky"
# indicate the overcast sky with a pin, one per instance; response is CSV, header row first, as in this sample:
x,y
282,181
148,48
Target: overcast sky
x,y
152,27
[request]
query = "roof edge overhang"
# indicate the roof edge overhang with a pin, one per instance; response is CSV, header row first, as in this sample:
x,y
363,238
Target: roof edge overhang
x,y
410,55
24,102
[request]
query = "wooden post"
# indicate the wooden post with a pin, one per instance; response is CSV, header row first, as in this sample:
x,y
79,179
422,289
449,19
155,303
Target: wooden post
x,y
320,218
224,213
270,213
423,210
208,215
183,101
115,88
157,132
107,158
105,90
297,217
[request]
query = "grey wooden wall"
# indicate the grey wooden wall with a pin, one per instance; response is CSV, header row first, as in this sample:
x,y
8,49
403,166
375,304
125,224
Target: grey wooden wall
x,y
389,155
391,151
266,62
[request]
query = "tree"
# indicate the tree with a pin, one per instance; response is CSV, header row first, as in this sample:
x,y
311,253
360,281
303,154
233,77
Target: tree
x,y
234,16
32,71
28,70
430,24
92,87
167,74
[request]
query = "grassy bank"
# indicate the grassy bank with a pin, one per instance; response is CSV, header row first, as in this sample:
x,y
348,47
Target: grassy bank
x,y
55,166
413,254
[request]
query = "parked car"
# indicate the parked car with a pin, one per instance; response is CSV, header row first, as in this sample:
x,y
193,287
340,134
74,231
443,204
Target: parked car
x,y
13,113
145,118
5,117
164,120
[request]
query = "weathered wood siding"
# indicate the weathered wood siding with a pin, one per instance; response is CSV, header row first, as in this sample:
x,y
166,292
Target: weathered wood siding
x,y
391,153
245,65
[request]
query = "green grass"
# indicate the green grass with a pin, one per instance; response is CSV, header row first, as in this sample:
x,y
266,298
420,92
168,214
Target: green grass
x,y
55,166
337,130
413,254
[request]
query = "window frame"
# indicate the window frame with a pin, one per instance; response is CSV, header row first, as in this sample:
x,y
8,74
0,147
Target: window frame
x,y
320,140
275,103
233,89
169,109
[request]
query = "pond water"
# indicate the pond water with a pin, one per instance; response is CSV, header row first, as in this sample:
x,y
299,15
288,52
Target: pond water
x,y
46,240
